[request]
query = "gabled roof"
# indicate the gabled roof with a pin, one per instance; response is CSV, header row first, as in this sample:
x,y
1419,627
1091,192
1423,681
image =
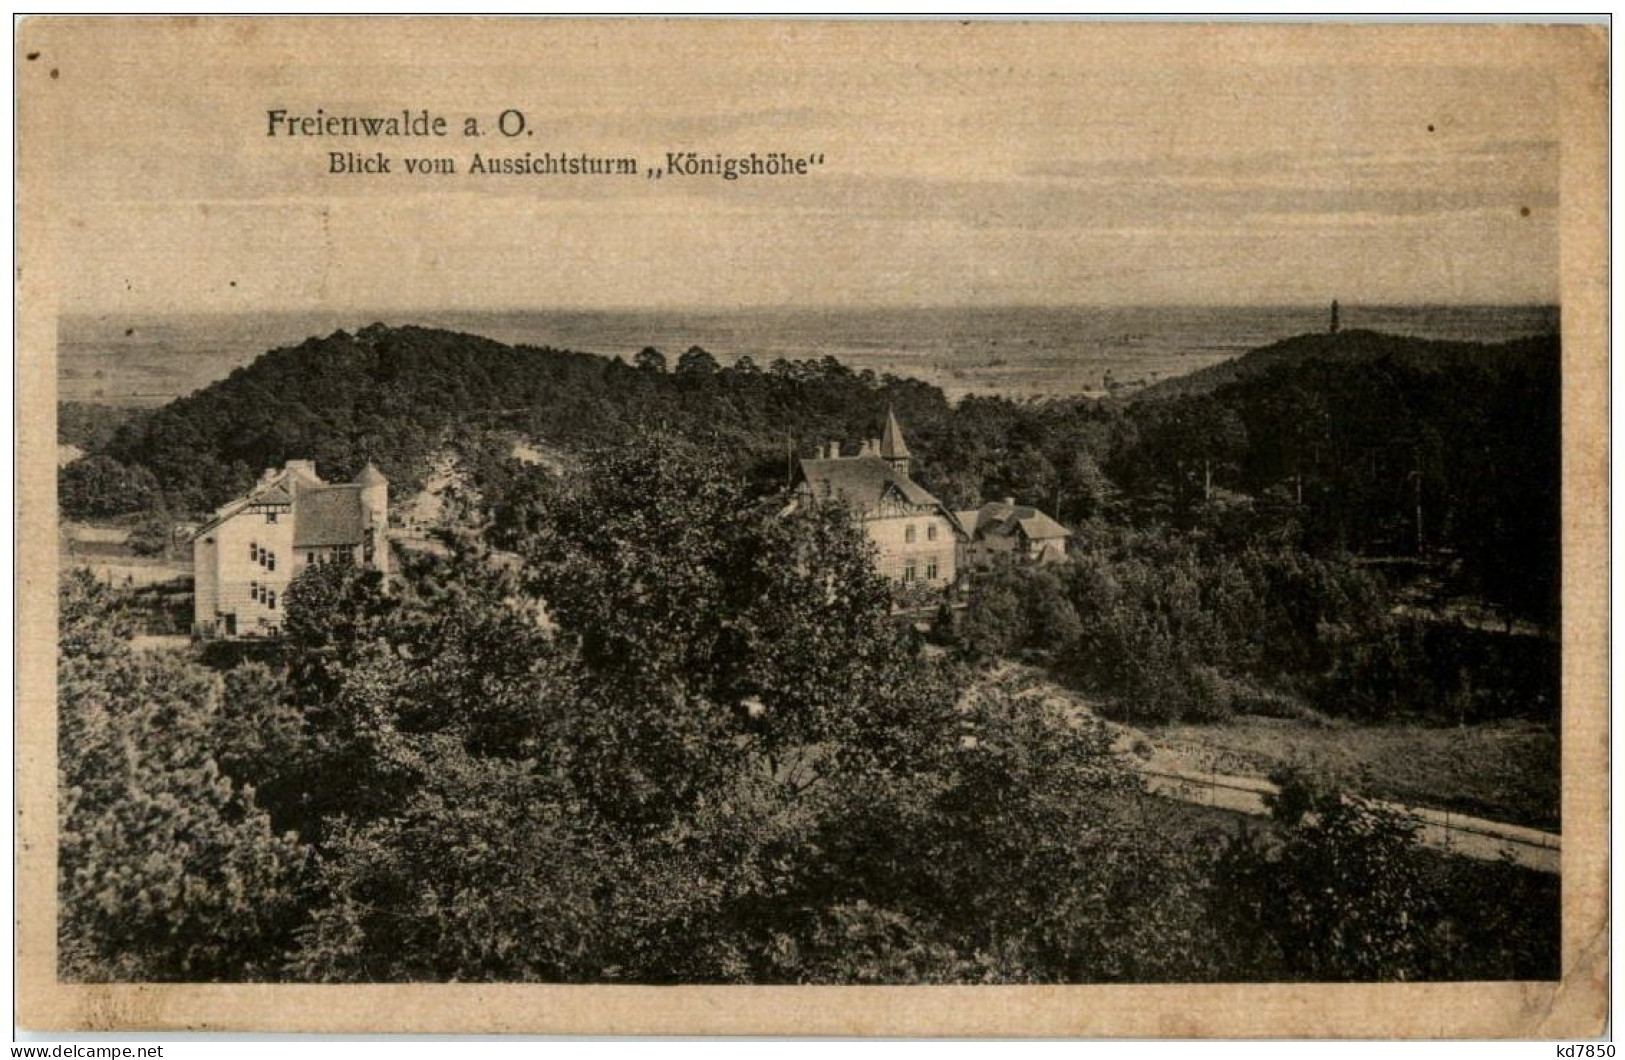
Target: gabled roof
x,y
280,492
273,488
998,519
323,515
1039,526
861,481
329,515
864,481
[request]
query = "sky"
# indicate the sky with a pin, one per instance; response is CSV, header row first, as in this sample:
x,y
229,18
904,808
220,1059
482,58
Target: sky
x,y
964,165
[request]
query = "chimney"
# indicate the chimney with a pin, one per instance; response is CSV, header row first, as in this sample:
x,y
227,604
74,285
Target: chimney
x,y
834,450
303,468
1010,502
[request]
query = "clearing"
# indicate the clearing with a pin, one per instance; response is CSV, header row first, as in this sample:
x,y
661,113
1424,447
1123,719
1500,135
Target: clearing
x,y
1507,771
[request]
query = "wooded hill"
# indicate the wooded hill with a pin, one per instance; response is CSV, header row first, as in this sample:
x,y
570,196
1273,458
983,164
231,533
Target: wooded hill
x,y
1350,347
1360,442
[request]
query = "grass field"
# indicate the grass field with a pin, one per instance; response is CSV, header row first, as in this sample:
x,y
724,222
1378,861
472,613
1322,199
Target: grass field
x,y
1508,771
1485,920
1505,771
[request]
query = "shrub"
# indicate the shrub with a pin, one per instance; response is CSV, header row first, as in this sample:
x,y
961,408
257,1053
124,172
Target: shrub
x,y
1211,696
99,486
151,536
1290,901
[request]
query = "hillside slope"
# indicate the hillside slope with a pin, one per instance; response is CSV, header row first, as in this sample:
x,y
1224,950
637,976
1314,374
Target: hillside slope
x,y
1357,443
1351,347
397,396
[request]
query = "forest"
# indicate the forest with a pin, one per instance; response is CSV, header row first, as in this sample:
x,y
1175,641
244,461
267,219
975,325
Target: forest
x,y
1243,534
716,755
707,765
1356,444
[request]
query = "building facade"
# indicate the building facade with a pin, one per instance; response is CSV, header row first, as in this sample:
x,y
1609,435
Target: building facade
x,y
916,538
1004,531
247,553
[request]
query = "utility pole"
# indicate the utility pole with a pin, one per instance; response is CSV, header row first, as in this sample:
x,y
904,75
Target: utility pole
x,y
1416,479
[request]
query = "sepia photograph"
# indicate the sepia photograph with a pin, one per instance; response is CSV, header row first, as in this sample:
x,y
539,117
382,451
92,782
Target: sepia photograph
x,y
1032,513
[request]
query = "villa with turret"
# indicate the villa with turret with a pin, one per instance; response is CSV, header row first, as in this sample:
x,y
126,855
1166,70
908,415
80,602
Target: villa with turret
x,y
250,549
918,540
916,537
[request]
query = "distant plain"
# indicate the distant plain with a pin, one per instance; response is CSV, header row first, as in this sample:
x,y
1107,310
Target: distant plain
x,y
138,360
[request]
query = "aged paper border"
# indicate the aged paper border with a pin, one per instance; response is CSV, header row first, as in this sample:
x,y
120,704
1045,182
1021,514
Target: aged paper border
x,y
1574,1007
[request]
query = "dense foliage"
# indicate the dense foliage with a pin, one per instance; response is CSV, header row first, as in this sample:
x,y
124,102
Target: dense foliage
x,y
98,486
1288,895
1356,442
1186,626
714,757
169,867
713,754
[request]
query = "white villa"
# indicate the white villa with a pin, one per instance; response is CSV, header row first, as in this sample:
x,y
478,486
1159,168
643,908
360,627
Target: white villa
x,y
249,551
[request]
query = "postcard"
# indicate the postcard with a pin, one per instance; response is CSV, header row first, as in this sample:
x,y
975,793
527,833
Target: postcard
x,y
812,527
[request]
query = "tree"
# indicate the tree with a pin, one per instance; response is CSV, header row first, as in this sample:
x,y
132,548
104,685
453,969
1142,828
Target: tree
x,y
1290,905
1086,492
716,617
168,869
330,610
99,486
152,535
511,896
632,797
995,621
1052,622
650,359
696,362
1014,849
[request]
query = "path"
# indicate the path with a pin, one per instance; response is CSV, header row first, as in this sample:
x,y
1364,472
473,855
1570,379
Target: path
x,y
1455,833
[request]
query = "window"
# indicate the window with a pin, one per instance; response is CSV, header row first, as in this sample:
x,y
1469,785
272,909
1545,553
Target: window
x,y
254,591
253,552
909,574
908,536
270,561
270,517
931,571
270,600
931,532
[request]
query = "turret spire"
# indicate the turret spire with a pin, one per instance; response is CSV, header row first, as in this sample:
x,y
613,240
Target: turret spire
x,y
893,449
